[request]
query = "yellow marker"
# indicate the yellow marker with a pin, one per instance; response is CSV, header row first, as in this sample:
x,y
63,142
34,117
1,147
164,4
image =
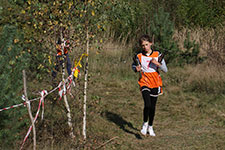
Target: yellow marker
x,y
78,63
76,73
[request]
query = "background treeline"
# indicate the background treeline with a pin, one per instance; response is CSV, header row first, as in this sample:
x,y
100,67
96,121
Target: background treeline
x,y
137,15
162,19
186,31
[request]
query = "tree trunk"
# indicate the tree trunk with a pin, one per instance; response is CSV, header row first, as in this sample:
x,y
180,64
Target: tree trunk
x,y
85,88
64,89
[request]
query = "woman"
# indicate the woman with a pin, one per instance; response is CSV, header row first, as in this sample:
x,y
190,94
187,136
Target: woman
x,y
147,63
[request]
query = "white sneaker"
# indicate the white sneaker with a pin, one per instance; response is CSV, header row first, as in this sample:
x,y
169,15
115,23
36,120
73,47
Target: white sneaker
x,y
144,128
151,131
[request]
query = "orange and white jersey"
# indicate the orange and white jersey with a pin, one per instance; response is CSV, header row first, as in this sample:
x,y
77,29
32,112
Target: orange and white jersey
x,y
150,76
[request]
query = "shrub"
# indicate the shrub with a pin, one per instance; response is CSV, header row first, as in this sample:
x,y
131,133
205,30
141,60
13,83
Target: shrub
x,y
191,54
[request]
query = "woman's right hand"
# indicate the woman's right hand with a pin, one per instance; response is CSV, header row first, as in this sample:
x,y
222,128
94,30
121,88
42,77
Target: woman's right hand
x,y
138,68
155,62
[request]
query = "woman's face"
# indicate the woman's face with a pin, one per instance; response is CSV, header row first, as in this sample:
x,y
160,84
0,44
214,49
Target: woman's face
x,y
146,46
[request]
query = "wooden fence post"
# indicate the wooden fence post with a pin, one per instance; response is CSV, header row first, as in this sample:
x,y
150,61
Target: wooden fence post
x,y
29,109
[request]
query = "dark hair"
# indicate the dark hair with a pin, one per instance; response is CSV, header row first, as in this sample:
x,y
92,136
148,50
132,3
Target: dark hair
x,y
144,37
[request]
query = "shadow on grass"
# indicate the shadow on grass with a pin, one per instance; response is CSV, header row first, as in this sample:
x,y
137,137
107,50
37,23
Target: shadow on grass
x,y
119,121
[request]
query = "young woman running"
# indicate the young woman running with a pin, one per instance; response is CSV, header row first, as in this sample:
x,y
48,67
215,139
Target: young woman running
x,y
147,63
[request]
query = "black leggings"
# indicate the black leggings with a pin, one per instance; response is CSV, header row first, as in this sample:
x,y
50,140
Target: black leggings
x,y
149,105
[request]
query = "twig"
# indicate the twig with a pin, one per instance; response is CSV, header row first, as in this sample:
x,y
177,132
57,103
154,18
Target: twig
x,y
107,142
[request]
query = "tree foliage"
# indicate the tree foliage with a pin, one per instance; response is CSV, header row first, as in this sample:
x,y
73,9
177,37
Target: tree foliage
x,y
203,13
29,32
162,28
13,60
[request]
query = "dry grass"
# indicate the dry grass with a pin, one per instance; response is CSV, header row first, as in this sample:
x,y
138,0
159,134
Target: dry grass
x,y
189,115
211,42
200,78
206,78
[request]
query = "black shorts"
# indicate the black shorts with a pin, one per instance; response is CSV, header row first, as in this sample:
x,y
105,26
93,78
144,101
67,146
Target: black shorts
x,y
155,92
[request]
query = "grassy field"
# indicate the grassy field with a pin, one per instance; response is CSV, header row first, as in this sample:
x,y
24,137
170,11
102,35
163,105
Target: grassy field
x,y
189,115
